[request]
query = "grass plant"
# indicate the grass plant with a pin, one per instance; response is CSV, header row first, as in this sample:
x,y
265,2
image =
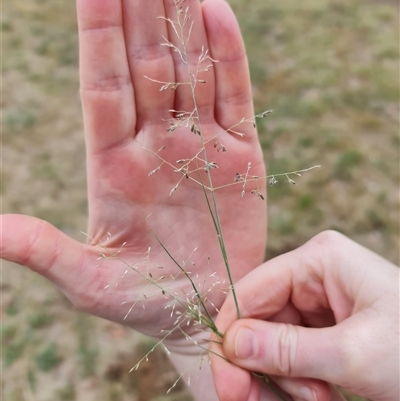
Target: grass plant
x,y
48,358
195,307
40,319
13,352
87,349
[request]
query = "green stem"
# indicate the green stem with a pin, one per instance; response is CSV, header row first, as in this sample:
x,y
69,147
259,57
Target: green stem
x,y
214,214
217,226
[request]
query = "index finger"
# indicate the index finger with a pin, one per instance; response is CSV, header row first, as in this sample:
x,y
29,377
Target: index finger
x,y
145,28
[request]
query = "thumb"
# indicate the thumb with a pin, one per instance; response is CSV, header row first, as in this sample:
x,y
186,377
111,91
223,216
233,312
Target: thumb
x,y
286,350
40,246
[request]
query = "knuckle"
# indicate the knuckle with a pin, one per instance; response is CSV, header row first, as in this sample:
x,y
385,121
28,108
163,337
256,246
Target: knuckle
x,y
328,238
35,258
326,245
107,84
285,346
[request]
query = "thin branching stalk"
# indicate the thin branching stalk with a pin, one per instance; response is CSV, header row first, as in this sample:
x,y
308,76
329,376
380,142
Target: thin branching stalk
x,y
191,310
210,322
193,82
239,178
194,309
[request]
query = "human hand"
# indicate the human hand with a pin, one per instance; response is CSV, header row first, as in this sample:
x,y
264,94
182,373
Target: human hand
x,y
124,115
328,310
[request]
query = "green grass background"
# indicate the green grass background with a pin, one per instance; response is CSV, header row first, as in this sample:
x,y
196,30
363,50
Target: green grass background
x,y
328,68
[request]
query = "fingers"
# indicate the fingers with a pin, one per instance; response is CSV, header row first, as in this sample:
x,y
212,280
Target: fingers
x,y
233,97
120,45
303,389
321,279
41,247
106,85
268,293
144,31
193,37
285,350
345,355
231,382
329,281
236,384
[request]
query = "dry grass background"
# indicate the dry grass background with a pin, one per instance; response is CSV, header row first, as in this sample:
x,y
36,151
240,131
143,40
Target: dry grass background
x,y
330,71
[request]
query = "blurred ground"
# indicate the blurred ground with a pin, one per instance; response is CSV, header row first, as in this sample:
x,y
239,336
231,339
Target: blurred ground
x,y
329,69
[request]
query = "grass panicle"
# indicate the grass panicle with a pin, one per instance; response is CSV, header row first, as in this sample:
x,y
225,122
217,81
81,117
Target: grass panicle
x,y
194,308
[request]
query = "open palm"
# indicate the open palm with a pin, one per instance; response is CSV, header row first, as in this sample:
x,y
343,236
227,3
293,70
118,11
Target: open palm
x,y
125,126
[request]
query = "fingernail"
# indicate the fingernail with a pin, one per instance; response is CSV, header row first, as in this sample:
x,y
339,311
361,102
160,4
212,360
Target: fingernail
x,y
245,344
307,394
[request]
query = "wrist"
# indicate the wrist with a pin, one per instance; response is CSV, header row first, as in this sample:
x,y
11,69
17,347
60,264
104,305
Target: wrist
x,y
192,362
196,372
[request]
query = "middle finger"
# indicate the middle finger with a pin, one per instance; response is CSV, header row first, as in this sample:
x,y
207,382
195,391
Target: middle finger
x,y
144,31
186,31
